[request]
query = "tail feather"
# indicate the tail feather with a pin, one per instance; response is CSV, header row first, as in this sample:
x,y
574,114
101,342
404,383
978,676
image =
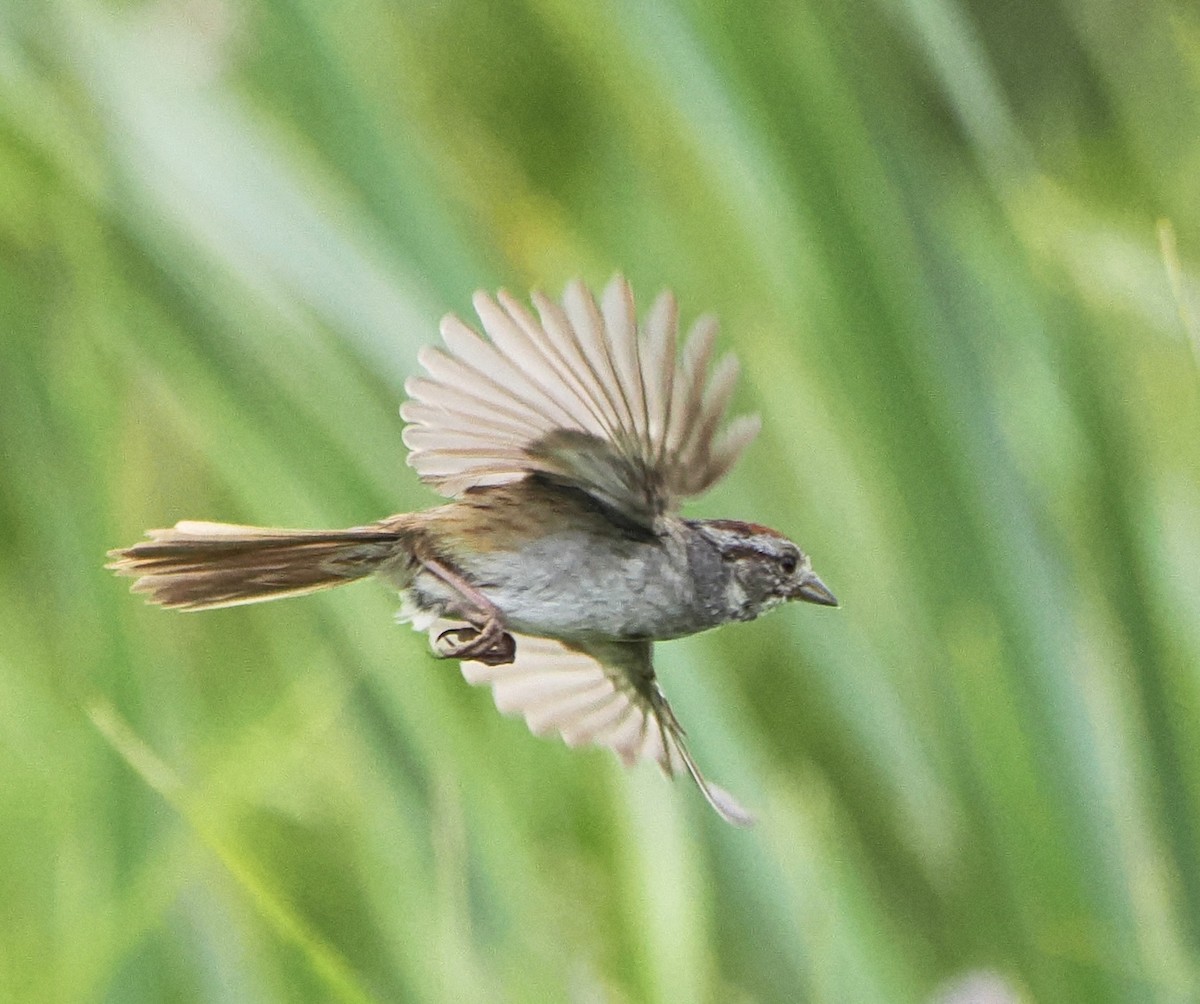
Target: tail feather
x,y
202,566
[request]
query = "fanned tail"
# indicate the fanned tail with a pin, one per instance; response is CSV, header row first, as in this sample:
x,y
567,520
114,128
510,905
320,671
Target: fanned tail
x,y
202,566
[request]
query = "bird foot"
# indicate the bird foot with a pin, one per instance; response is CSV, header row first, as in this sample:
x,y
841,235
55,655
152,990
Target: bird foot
x,y
491,644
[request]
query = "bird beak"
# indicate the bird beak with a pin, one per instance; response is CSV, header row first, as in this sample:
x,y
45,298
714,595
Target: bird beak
x,y
813,590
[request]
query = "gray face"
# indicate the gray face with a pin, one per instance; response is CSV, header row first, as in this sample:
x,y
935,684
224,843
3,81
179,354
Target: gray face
x,y
763,568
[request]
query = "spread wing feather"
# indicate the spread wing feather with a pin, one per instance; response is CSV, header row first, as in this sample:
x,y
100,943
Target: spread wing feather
x,y
580,393
606,695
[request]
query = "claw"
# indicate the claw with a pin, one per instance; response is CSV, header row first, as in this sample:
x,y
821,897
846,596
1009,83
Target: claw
x,y
450,643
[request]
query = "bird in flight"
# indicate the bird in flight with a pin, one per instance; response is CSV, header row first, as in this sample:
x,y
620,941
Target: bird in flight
x,y
566,441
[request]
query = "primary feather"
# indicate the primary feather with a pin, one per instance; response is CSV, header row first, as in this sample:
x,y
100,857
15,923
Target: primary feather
x,y
580,393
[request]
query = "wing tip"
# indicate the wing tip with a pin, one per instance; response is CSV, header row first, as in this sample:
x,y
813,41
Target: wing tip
x,y
728,807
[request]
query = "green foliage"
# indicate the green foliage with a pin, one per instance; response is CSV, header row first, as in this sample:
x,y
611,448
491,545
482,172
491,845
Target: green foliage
x,y
930,231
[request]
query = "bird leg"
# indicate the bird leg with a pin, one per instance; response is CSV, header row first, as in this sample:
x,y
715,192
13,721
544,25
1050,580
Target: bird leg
x,y
486,640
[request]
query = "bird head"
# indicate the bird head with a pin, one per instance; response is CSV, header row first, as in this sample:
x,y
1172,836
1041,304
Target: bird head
x,y
763,568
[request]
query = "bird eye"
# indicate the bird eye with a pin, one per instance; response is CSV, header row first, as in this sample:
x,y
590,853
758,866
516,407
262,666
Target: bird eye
x,y
788,564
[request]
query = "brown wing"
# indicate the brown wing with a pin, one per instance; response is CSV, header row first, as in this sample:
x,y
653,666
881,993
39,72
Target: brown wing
x,y
580,393
605,696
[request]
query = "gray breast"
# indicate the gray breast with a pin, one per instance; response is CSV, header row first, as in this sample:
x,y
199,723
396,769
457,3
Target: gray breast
x,y
575,586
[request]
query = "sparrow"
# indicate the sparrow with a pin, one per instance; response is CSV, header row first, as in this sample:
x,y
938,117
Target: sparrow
x,y
565,440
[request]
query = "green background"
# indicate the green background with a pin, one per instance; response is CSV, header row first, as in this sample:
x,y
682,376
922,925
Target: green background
x,y
932,231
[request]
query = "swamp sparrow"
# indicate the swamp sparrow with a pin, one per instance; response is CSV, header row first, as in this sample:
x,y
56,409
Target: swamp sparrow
x,y
566,443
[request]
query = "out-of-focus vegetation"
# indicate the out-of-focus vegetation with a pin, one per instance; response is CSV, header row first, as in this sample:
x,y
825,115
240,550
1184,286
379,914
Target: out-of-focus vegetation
x,y
931,229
